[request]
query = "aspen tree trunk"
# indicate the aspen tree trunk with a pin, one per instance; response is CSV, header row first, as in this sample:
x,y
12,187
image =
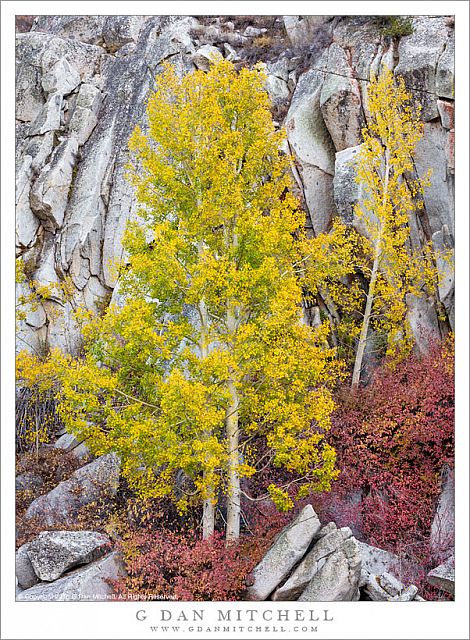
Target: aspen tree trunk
x,y
208,518
232,432
208,514
371,293
233,498
365,325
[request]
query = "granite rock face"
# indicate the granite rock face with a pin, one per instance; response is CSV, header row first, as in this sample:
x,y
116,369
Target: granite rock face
x,y
81,87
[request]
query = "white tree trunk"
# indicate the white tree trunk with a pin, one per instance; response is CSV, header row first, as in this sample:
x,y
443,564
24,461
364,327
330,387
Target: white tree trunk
x,y
208,517
361,347
365,326
233,490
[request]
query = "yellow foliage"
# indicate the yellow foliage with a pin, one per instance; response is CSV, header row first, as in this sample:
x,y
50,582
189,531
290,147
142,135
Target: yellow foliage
x,y
213,291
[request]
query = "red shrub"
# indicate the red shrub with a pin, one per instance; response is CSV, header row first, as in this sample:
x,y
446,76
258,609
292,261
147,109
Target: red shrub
x,y
164,565
392,439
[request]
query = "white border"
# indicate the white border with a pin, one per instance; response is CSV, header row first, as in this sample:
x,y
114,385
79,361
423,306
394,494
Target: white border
x,y
351,620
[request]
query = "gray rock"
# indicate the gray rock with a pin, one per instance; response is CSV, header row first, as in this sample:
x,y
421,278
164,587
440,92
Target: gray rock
x,y
443,576
97,480
36,55
48,118
301,29
325,530
29,93
407,595
253,32
422,316
49,194
87,584
432,152
39,148
231,53
69,443
419,54
89,97
377,561
444,254
391,584
203,57
445,71
62,78
54,552
340,101
387,588
24,569
28,482
338,578
313,148
287,550
121,30
279,68
180,32
348,193
85,115
82,123
88,29
443,525
311,564
277,89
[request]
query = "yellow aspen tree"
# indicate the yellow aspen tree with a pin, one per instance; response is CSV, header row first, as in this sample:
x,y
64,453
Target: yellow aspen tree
x,y
207,353
384,166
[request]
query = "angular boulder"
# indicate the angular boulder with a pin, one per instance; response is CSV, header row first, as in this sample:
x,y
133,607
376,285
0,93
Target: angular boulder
x,y
376,560
48,118
204,56
62,78
69,443
87,584
387,588
443,576
25,574
311,564
54,552
289,547
338,579
95,481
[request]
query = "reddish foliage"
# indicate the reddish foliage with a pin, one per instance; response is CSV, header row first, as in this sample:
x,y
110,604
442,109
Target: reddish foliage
x,y
392,440
166,565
